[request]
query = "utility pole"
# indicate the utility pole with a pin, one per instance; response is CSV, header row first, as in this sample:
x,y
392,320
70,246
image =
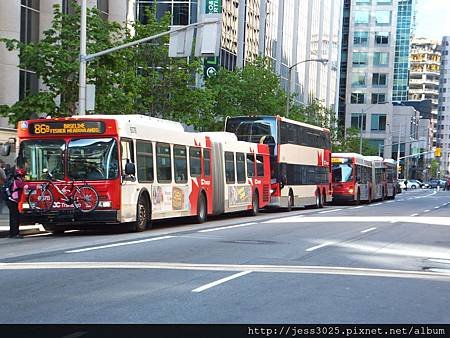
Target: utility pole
x,y
82,75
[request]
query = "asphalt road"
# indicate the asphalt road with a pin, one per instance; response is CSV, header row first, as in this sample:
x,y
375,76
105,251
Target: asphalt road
x,y
387,262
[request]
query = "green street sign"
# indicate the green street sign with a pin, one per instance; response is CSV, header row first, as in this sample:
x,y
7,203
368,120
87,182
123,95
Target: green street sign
x,y
211,65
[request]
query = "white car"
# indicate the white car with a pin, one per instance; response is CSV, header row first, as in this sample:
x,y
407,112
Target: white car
x,y
412,184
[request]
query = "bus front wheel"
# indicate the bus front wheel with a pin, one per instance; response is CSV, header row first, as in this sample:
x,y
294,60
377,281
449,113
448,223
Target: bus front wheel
x,y
255,204
142,215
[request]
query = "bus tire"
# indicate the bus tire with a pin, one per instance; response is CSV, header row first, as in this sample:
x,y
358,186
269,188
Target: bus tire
x,y
318,200
358,198
142,215
255,204
202,213
324,198
290,201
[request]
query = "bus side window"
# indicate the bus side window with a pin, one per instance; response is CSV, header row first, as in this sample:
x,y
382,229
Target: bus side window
x,y
240,167
144,151
127,153
163,163
206,162
195,164
180,163
259,165
251,165
229,168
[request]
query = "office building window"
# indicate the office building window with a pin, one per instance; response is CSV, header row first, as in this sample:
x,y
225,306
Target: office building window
x,y
356,121
383,18
29,33
360,59
357,98
363,2
384,2
378,122
362,17
382,38
378,98
379,79
361,38
181,13
358,80
103,7
380,59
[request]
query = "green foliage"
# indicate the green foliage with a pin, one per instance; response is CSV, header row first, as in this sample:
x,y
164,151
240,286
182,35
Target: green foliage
x,y
434,168
141,79
252,90
349,143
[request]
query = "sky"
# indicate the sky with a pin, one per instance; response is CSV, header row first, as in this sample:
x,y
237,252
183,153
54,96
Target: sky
x,y
433,19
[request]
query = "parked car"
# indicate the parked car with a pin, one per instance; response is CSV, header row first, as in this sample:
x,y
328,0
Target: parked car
x,y
414,184
434,184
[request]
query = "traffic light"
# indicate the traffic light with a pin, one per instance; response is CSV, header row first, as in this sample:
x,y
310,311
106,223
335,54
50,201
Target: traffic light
x,y
437,152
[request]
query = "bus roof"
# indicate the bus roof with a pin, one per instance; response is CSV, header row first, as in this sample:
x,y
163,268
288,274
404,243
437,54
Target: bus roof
x,y
347,155
137,119
374,158
284,119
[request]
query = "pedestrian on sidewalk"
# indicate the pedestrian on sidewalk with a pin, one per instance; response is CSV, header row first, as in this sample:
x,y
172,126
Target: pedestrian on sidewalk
x,y
13,203
2,181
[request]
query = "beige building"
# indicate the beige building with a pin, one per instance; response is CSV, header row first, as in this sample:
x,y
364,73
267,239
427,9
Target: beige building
x,y
424,74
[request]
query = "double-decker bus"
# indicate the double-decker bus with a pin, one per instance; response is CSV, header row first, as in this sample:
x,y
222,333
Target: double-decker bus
x,y
300,158
391,177
378,178
142,168
352,178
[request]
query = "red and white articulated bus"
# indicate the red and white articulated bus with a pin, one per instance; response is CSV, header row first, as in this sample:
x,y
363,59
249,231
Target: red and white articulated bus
x,y
142,169
391,178
378,178
300,158
352,178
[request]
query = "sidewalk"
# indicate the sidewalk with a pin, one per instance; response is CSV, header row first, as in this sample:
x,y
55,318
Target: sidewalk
x,y
24,229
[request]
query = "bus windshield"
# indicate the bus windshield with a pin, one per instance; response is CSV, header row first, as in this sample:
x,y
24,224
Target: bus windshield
x,y
37,155
93,159
252,129
342,173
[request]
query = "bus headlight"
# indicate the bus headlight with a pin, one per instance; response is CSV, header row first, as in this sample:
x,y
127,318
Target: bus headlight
x,y
104,204
25,206
350,190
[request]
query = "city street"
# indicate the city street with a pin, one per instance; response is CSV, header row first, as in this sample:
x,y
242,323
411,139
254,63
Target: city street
x,y
387,262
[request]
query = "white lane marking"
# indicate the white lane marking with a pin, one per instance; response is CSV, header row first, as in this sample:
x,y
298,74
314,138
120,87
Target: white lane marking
x,y
367,230
439,270
319,246
428,210
39,235
359,207
443,205
436,208
119,244
390,201
308,269
69,231
220,281
443,261
414,215
374,205
393,222
327,211
228,227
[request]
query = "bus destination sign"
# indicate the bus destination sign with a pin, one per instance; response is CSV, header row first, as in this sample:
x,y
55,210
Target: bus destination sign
x,y
67,128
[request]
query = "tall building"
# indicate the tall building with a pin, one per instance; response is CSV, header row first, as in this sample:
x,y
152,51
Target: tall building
x,y
375,62
405,25
424,74
443,131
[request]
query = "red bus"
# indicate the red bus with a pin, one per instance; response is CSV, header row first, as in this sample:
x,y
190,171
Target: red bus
x,y
352,178
300,158
142,168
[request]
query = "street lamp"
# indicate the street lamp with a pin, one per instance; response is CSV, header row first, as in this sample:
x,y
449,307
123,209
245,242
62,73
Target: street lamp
x,y
363,111
288,98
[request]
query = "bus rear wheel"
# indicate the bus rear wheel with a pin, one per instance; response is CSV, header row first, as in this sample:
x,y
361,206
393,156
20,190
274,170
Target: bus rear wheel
x,y
290,201
201,210
255,205
318,200
358,198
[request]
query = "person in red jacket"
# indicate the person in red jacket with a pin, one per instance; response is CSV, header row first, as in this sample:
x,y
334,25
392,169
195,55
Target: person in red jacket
x,y
13,203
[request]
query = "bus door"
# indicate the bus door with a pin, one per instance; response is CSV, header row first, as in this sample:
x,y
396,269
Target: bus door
x,y
130,189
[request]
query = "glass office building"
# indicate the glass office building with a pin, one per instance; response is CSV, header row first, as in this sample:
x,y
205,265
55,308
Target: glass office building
x,y
405,25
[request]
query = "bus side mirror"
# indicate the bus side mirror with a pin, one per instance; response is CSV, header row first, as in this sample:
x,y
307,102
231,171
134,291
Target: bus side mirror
x,y
283,181
5,150
130,169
